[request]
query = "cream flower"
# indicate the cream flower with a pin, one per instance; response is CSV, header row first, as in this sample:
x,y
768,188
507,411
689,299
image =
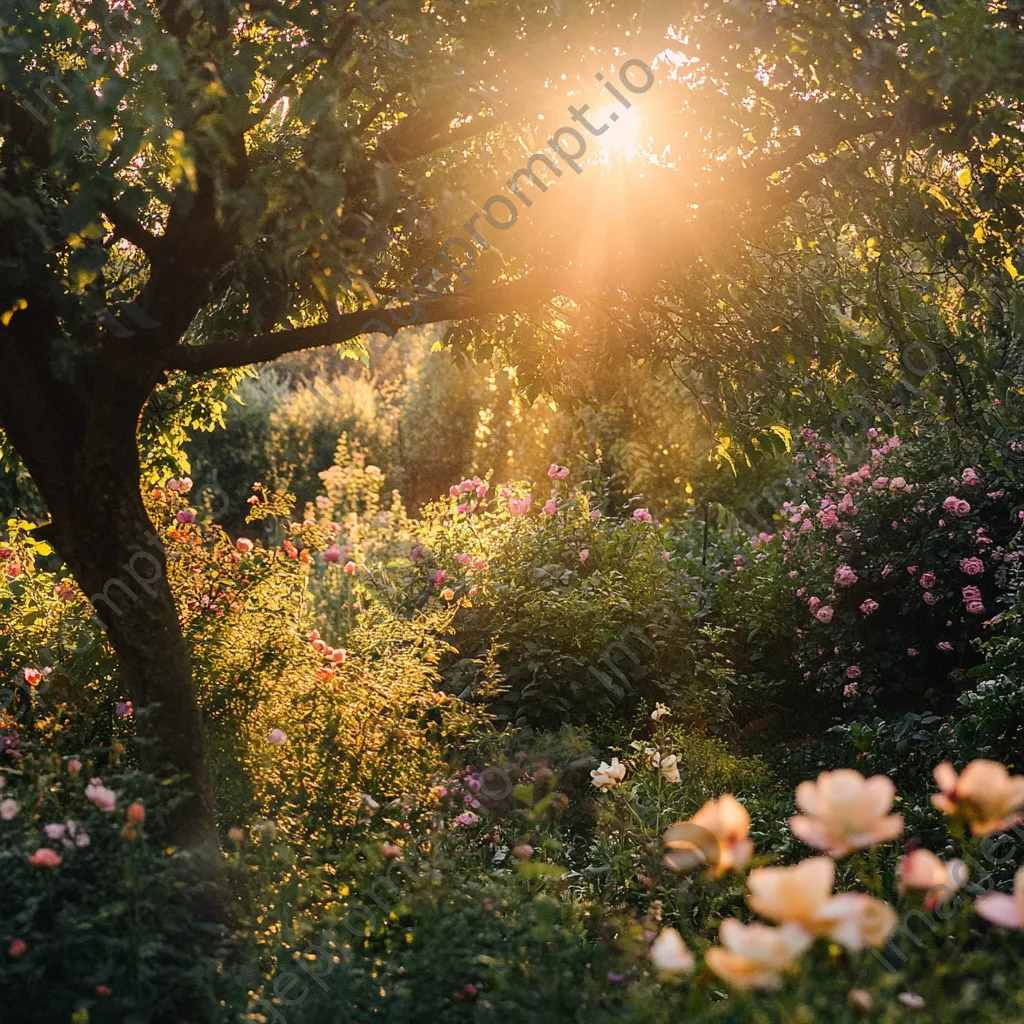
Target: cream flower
x,y
670,769
716,835
844,812
755,955
802,895
1002,909
856,920
669,953
985,794
608,776
669,765
921,869
794,895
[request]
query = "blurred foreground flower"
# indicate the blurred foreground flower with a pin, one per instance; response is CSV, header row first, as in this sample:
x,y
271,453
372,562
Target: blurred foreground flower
x,y
755,955
985,795
844,812
716,836
669,953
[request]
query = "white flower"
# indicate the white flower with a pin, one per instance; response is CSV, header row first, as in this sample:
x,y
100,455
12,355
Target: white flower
x,y
608,776
669,953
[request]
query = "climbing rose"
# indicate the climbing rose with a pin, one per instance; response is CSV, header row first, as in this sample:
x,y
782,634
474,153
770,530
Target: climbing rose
x,y
824,614
852,672
970,477
929,597
972,566
957,506
927,580
869,607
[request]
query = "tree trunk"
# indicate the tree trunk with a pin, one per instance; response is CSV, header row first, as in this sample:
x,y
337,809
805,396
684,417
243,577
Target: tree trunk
x,y
88,474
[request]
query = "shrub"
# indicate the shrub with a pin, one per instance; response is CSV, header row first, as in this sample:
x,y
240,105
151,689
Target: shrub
x,y
878,579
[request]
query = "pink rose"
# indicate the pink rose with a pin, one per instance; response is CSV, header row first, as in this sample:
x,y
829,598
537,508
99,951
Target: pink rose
x,y
642,515
845,576
975,607
45,858
927,580
852,672
869,607
880,483
520,506
331,555
824,614
814,604
550,507
462,558
98,794
74,766
912,652
945,646
439,577
929,597
956,506
277,737
897,483
970,477
971,594
972,566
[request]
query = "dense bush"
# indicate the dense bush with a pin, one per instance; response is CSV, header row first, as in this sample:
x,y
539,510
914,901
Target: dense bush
x,y
878,578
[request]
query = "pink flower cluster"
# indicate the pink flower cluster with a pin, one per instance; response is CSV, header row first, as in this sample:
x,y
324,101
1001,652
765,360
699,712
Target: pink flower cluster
x,y
956,506
557,472
845,576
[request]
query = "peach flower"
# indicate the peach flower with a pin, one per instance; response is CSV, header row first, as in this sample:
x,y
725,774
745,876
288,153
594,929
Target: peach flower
x,y
857,920
718,835
1002,909
844,812
794,895
755,955
669,953
921,869
802,895
984,794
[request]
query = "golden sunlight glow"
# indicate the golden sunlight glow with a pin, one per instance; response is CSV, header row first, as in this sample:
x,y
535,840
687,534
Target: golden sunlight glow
x,y
624,138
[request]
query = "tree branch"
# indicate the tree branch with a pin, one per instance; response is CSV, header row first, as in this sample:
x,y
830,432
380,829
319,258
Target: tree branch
x,y
379,319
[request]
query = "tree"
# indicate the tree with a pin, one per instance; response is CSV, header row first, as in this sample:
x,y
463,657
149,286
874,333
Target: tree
x,y
191,186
